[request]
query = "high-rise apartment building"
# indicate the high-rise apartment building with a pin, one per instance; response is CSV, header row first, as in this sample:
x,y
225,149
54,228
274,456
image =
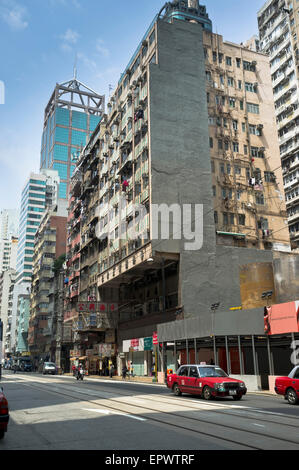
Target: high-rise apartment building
x,y
71,115
7,284
8,239
49,245
8,253
189,133
279,28
8,223
39,193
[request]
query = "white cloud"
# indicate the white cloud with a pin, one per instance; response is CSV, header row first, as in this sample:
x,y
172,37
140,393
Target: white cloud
x,y
101,48
13,14
69,39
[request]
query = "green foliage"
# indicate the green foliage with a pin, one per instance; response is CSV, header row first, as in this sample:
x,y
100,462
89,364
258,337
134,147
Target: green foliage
x,y
58,263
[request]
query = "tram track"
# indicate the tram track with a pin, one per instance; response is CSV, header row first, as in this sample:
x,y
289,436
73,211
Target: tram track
x,y
186,423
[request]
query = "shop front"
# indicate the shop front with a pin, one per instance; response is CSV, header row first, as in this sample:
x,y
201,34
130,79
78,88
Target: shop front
x,y
138,355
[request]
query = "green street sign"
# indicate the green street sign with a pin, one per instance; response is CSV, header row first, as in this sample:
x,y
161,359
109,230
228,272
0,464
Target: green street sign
x,y
148,344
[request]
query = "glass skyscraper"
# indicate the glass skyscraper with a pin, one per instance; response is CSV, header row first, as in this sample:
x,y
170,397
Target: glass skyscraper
x,y
72,114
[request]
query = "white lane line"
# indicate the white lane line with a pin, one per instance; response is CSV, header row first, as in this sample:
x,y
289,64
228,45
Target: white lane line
x,y
107,412
259,425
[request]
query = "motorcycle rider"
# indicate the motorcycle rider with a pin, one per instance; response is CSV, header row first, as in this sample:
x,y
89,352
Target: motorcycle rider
x,y
80,372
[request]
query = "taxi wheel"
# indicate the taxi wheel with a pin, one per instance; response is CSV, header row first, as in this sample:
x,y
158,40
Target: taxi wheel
x,y
207,394
2,434
176,390
292,397
237,397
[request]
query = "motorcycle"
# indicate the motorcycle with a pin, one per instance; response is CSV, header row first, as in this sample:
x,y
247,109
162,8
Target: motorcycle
x,y
80,374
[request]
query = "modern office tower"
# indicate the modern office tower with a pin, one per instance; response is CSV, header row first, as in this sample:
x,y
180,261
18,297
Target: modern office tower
x,y
279,29
39,193
71,115
189,136
49,245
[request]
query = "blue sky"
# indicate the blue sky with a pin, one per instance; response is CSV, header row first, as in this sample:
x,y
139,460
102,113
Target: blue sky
x,y
39,40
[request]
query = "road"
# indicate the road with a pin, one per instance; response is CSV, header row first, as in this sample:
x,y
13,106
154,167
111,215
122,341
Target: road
x,y
59,413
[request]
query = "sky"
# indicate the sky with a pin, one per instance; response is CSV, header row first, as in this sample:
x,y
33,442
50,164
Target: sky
x,y
39,43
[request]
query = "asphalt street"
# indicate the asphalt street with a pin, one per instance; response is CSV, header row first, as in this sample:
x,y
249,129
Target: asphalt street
x,y
60,413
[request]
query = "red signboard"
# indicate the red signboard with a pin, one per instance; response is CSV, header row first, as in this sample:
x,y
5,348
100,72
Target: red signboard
x,y
155,338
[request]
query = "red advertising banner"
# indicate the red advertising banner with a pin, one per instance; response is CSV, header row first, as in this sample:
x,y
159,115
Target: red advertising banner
x,y
155,338
282,318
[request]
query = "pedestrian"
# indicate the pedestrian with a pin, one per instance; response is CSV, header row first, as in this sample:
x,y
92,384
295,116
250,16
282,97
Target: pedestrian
x,y
124,371
15,368
111,371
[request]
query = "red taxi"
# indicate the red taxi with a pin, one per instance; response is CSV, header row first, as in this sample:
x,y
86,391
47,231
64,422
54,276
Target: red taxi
x,y
289,386
208,381
4,414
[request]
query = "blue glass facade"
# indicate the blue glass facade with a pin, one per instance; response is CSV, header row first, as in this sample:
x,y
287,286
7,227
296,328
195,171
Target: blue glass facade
x,y
65,132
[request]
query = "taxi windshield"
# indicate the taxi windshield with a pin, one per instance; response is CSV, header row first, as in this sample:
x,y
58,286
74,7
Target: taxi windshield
x,y
211,372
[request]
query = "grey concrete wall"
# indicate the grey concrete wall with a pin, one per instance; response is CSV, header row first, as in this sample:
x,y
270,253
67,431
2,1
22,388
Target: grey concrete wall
x,y
236,322
286,277
180,155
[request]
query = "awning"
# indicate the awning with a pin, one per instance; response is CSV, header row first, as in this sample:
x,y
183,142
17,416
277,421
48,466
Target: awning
x,y
232,234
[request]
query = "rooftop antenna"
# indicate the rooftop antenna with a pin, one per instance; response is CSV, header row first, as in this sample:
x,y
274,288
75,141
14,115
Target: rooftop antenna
x,y
75,67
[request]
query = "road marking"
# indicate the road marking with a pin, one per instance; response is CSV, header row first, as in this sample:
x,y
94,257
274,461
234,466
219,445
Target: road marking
x,y
107,412
259,425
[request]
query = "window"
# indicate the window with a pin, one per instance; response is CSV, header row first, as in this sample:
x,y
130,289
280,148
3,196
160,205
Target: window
x,y
193,372
183,371
228,61
216,217
235,146
237,170
228,168
250,87
225,218
240,84
238,61
222,170
235,125
243,127
232,102
214,56
245,149
241,219
211,142
253,108
214,190
220,145
230,81
241,105
259,198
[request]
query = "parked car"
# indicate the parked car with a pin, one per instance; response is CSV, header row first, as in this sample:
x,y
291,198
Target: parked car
x,y
4,414
49,368
289,386
208,381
